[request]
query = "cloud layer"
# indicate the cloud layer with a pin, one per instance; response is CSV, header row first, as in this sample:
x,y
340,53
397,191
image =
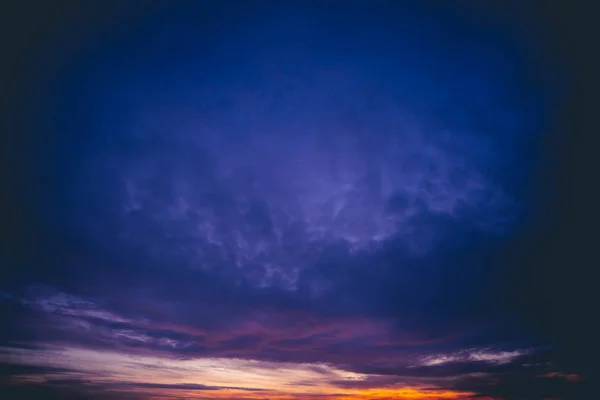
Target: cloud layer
x,y
298,207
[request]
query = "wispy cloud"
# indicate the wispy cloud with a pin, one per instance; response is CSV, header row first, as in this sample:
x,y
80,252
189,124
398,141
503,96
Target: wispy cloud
x,y
485,355
294,204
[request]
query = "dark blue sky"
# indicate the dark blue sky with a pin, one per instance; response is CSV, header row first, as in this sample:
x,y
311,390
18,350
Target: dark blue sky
x,y
310,199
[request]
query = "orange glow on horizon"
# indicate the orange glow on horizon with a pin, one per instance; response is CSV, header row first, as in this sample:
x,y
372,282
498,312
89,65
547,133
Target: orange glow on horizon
x,y
366,394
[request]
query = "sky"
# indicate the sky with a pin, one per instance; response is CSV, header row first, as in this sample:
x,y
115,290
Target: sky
x,y
283,200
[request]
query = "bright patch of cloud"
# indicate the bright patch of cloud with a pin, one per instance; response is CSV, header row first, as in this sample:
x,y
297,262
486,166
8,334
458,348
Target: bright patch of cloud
x,y
474,355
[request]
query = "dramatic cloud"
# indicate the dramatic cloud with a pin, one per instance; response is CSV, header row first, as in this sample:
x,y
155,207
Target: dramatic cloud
x,y
305,205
